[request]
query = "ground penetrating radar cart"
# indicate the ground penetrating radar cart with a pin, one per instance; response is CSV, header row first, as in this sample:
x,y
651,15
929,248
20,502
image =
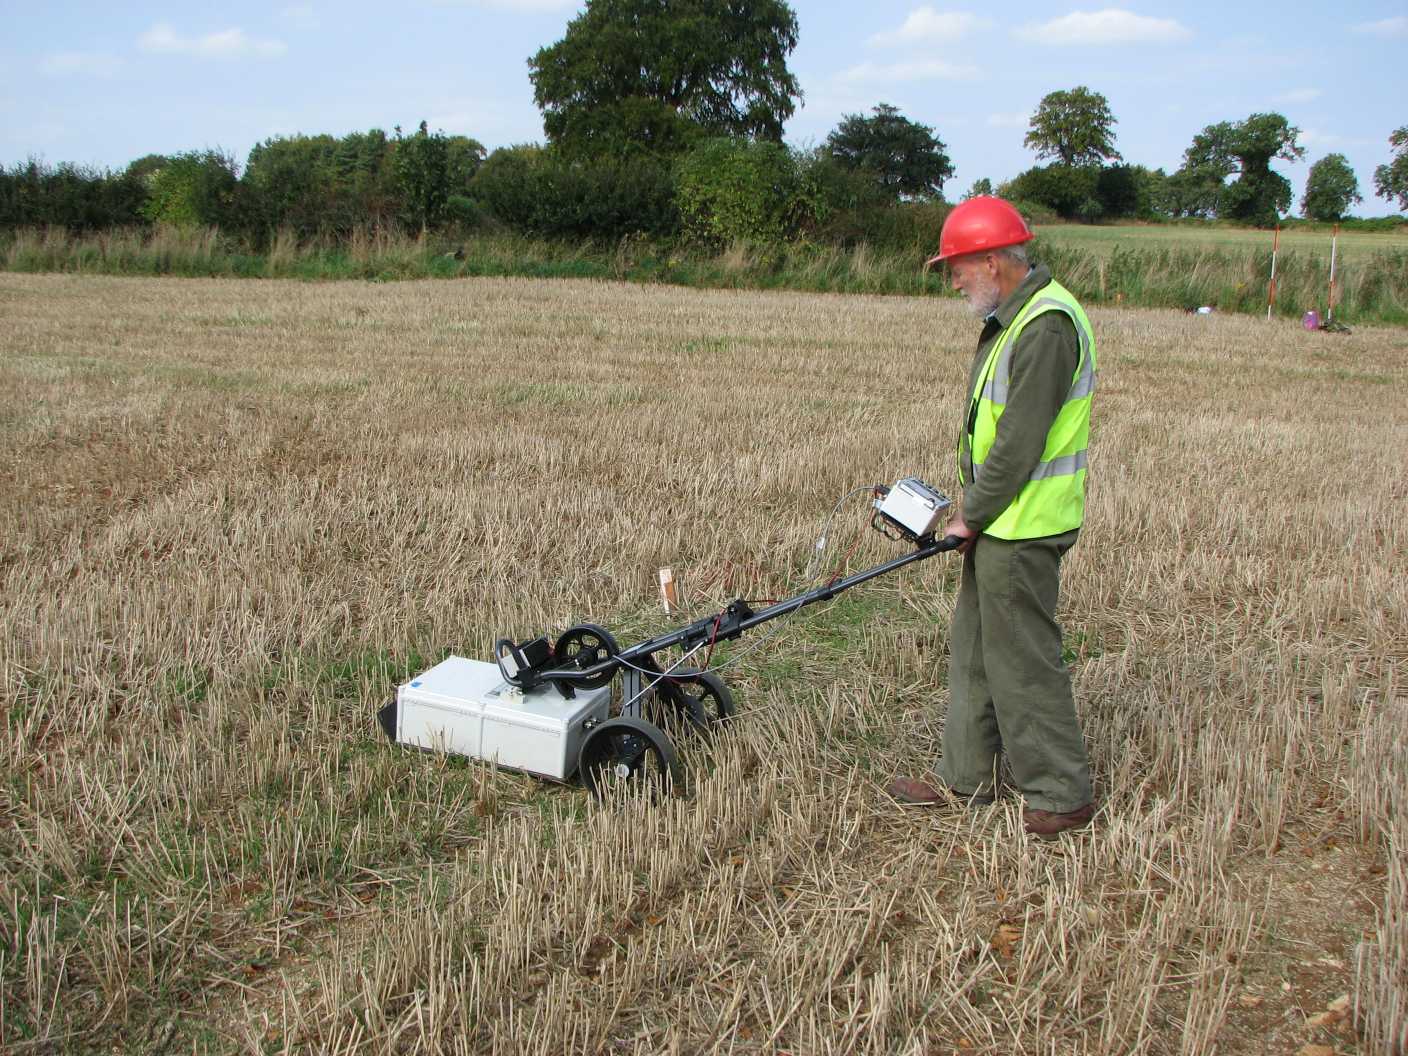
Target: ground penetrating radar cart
x,y
545,707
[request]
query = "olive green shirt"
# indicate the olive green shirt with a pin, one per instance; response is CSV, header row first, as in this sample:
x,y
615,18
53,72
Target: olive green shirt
x,y
1044,361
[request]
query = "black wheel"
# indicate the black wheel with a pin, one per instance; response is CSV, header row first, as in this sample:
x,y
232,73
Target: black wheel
x,y
583,646
630,755
700,698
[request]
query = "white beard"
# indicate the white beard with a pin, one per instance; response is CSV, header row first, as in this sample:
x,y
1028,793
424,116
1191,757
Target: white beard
x,y
983,300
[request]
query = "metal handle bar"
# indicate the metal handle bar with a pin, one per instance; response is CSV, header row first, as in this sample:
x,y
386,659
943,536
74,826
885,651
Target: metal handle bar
x,y
739,617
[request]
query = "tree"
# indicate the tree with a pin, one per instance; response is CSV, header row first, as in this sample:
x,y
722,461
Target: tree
x,y
1196,191
982,186
147,164
463,156
321,185
1118,188
902,155
1075,127
1330,189
422,166
1245,148
364,173
510,184
1155,193
1391,180
293,185
654,76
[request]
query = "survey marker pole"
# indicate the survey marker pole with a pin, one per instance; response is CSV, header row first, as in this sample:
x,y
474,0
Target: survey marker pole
x,y
1271,291
1334,245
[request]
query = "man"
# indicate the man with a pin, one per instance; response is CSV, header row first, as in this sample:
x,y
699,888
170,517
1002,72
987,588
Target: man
x,y
1021,461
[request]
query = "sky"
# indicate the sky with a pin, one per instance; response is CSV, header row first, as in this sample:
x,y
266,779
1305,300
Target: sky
x,y
103,84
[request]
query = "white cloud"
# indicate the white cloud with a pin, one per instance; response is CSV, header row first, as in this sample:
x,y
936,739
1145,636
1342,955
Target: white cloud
x,y
1385,27
929,70
927,26
1312,137
1015,119
1110,26
66,63
163,39
1300,95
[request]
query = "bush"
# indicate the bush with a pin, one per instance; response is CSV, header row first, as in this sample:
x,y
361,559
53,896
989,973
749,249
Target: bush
x,y
507,185
69,196
537,191
910,229
835,187
1089,192
1034,212
464,213
740,190
847,208
196,189
1375,223
1117,188
1071,191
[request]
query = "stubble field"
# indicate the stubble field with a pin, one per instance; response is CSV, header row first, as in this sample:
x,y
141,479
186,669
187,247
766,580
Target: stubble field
x,y
233,515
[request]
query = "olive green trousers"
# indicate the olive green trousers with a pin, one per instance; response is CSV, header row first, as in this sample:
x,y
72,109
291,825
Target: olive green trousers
x,y
1009,690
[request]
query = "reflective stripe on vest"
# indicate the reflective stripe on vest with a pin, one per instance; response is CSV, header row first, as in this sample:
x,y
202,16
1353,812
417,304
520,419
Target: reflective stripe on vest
x,y
1053,499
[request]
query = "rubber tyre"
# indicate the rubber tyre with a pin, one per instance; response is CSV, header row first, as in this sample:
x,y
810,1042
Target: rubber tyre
x,y
631,754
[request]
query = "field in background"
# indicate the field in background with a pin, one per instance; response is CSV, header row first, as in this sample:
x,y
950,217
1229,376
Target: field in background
x,y
1223,268
233,515
1103,238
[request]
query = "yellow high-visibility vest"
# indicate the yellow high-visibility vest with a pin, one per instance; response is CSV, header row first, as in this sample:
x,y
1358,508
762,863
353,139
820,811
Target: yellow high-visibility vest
x,y
1053,499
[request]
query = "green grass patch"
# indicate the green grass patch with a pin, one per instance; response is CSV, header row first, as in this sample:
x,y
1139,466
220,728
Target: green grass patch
x,y
1306,240
190,375
565,394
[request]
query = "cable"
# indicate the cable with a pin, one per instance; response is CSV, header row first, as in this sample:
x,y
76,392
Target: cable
x,y
657,676
841,568
820,546
808,576
660,677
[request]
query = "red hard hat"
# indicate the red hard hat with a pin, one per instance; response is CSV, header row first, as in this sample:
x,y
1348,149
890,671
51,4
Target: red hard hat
x,y
981,223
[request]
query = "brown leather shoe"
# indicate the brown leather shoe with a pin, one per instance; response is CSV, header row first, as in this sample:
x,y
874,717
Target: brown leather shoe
x,y
921,793
1047,824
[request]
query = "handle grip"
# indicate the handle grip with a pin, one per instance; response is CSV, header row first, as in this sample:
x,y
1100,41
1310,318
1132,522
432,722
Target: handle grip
x,y
951,542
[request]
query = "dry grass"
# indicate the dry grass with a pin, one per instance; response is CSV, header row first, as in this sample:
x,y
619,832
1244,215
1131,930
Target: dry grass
x,y
235,514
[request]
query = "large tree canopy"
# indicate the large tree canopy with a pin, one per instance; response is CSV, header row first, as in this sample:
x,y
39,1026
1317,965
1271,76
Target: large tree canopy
x,y
1245,148
1391,180
1075,127
904,156
656,75
1330,189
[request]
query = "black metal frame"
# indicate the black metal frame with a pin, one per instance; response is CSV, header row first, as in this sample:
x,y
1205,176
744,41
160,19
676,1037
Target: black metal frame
x,y
724,626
